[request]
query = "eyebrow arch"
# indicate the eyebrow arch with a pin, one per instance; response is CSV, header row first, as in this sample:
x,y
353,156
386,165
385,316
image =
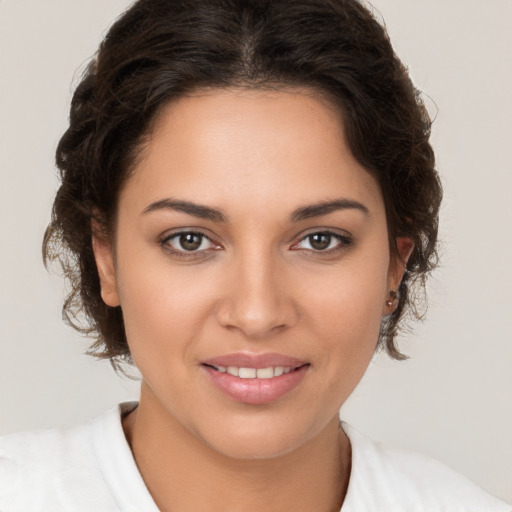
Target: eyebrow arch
x,y
197,210
302,213
326,207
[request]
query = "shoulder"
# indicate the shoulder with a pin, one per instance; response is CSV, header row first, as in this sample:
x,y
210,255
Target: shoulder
x,y
44,469
389,478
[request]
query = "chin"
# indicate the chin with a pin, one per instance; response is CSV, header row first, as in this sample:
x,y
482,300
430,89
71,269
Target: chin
x,y
257,441
262,448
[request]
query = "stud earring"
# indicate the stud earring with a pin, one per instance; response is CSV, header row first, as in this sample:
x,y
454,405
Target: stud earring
x,y
392,297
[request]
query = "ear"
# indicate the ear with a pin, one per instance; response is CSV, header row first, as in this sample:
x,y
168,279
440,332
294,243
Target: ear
x,y
397,266
104,256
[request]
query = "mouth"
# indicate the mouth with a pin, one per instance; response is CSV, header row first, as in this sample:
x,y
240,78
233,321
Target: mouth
x,y
255,379
255,373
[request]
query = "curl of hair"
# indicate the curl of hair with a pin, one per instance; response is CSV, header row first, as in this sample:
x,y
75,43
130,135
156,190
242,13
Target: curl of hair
x,y
159,50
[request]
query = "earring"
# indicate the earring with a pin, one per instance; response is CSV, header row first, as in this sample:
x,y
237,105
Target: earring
x,y
392,297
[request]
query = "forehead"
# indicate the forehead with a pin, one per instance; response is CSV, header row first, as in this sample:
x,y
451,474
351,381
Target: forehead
x,y
261,148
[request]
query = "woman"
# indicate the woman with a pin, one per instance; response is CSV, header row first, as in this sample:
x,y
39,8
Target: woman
x,y
248,194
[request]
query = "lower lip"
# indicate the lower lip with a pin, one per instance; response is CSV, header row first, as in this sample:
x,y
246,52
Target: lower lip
x,y
256,391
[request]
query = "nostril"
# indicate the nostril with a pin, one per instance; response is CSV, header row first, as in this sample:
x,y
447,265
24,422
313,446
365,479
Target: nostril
x,y
256,311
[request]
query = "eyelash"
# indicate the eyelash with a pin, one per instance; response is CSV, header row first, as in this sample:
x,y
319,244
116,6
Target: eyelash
x,y
183,253
343,242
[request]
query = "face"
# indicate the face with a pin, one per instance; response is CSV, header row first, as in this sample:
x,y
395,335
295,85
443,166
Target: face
x,y
252,267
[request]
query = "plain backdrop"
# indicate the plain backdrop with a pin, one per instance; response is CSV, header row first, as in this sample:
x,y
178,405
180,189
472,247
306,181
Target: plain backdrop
x,y
452,399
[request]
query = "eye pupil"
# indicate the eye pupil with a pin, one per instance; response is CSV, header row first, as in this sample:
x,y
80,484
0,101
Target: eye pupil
x,y
320,241
190,241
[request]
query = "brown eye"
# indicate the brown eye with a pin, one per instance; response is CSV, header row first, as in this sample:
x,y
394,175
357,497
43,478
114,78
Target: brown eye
x,y
324,241
190,241
320,241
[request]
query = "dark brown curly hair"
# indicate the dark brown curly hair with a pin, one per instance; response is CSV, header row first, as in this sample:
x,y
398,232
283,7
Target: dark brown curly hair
x,y
161,49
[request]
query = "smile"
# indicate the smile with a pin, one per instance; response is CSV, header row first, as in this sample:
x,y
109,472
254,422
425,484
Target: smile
x,y
254,373
255,379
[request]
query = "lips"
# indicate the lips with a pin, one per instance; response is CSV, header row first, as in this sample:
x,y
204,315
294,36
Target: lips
x,y
254,373
245,360
255,379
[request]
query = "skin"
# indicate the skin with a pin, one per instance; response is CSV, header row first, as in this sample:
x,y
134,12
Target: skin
x,y
257,284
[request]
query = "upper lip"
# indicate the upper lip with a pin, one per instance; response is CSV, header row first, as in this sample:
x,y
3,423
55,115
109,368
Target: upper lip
x,y
247,360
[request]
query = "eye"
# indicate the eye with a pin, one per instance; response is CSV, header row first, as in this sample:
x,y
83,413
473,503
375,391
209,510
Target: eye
x,y
324,241
188,242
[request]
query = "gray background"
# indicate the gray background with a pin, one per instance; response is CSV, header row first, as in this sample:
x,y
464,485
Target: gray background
x,y
452,399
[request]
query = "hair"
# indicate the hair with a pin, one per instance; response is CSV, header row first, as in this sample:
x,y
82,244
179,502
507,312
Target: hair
x,y
160,50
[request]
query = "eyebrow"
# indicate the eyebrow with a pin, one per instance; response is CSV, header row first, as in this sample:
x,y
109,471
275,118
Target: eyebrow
x,y
326,207
197,210
216,215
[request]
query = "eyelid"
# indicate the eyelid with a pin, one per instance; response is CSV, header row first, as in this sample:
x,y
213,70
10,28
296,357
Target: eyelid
x,y
171,233
345,239
165,239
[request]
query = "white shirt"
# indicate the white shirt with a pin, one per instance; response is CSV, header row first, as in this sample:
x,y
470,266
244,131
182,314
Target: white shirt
x,y
90,468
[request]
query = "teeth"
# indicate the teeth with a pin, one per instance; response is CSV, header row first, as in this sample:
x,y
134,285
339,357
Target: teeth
x,y
254,373
278,371
247,373
265,373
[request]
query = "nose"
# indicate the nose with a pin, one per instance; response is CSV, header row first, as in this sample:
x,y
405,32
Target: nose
x,y
257,300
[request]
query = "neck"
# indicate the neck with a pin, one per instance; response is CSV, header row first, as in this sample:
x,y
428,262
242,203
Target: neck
x,y
183,473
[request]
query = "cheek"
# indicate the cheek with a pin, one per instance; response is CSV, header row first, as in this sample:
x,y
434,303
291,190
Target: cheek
x,y
163,306
348,329
348,338
163,320
346,316
351,300
166,306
